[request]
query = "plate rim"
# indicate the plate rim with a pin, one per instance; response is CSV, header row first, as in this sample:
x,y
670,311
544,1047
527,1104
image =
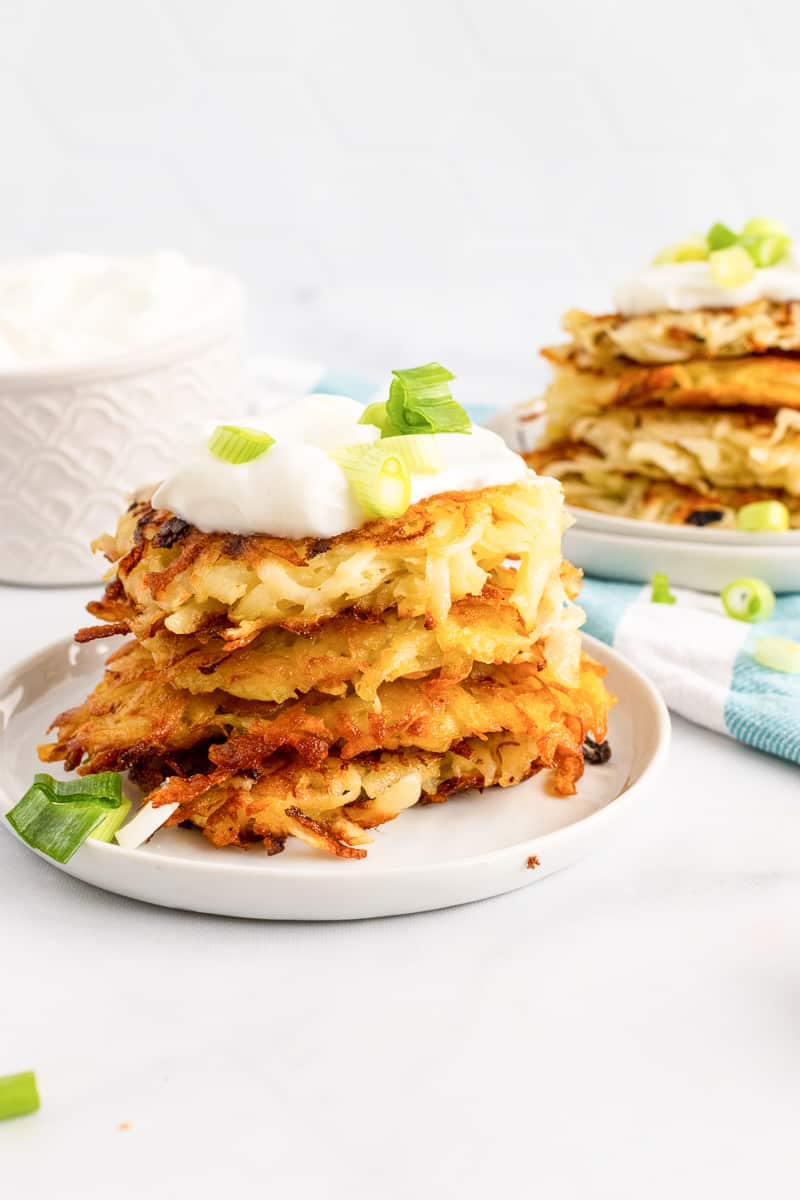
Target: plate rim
x,y
590,521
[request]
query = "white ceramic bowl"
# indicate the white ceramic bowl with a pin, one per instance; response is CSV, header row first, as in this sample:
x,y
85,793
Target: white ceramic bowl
x,y
75,441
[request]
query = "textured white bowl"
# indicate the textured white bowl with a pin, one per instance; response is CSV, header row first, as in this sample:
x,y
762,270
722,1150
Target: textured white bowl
x,y
74,442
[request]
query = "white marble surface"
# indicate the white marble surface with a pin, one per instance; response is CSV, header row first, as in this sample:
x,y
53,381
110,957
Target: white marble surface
x,y
627,1029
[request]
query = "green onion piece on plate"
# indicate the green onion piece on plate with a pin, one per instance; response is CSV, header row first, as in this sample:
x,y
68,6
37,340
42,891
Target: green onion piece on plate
x,y
18,1095
778,654
235,444
748,600
694,249
380,481
732,267
720,236
57,818
661,593
113,820
420,401
375,414
764,516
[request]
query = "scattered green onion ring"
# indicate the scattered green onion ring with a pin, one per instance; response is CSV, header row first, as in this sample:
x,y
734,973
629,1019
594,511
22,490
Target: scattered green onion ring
x,y
748,600
661,593
379,481
56,818
235,444
18,1095
778,654
732,267
764,516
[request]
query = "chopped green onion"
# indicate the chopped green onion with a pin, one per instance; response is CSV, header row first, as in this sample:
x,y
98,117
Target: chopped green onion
x,y
111,822
720,236
766,250
18,1095
420,401
748,600
234,444
375,414
764,227
380,481
778,654
732,267
661,593
693,249
420,454
765,516
57,818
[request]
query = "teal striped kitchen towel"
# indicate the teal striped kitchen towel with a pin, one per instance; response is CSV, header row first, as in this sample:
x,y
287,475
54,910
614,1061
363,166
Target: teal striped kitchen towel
x,y
701,660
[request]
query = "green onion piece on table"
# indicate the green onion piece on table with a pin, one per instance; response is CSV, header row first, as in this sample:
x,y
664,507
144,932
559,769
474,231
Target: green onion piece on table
x,y
661,593
764,516
748,600
778,654
57,818
720,236
380,481
235,444
731,268
18,1095
420,401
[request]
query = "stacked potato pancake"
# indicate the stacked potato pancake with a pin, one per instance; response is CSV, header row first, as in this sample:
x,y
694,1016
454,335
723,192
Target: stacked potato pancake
x,y
315,688
677,416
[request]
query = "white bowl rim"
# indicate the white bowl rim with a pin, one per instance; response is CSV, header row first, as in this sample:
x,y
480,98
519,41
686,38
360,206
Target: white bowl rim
x,y
228,313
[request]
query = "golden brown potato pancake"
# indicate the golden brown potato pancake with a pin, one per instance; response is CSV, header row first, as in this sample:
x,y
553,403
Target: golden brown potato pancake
x,y
333,805
589,484
171,575
667,337
765,384
134,716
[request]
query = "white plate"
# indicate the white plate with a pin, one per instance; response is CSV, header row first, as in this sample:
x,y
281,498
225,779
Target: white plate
x,y
433,856
692,563
691,534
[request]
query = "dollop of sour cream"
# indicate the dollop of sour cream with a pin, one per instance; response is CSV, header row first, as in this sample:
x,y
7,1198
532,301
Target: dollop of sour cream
x,y
69,308
680,287
296,490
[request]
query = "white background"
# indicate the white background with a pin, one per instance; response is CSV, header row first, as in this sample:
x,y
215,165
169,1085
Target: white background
x,y
397,181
